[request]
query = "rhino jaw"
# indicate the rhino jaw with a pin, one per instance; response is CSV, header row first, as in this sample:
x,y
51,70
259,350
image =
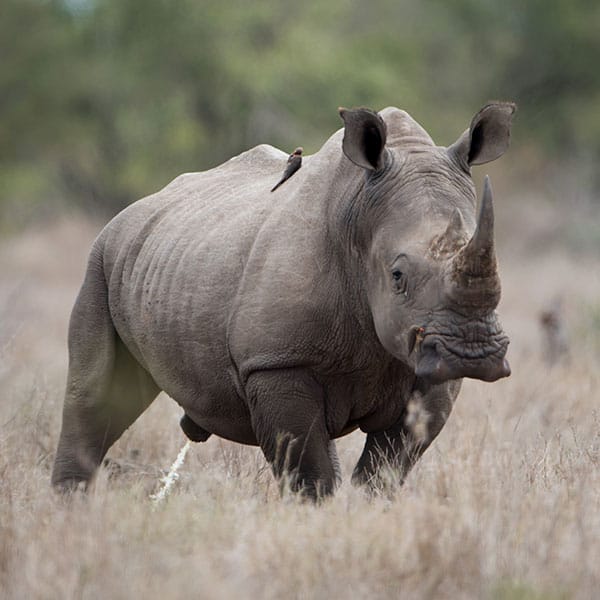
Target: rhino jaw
x,y
436,364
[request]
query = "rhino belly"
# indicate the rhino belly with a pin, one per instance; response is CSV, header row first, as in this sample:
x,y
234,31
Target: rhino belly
x,y
172,281
200,380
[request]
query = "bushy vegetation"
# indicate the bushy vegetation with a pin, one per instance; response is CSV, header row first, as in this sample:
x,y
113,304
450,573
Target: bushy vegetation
x,y
103,101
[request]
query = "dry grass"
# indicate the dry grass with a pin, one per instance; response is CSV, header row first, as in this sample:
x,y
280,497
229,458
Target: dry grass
x,y
505,505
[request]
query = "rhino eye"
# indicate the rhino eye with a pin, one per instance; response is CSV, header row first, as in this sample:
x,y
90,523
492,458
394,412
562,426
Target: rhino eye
x,y
399,281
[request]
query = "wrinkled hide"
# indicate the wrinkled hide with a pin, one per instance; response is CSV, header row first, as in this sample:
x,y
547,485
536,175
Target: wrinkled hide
x,y
367,287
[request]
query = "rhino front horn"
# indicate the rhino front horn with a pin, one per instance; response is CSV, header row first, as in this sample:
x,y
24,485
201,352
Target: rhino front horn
x,y
478,258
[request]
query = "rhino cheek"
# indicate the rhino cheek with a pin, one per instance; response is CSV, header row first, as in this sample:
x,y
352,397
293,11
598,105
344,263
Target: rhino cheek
x,y
391,334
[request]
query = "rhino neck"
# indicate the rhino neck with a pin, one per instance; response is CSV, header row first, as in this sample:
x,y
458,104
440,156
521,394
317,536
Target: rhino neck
x,y
359,205
352,217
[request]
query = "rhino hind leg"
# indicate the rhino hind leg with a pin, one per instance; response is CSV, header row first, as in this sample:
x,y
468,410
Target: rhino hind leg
x,y
107,389
288,418
193,431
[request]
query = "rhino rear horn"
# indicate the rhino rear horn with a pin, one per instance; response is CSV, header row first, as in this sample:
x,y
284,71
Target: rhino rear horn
x,y
455,229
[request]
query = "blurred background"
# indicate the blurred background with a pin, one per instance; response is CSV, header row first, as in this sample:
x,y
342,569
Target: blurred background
x,y
105,101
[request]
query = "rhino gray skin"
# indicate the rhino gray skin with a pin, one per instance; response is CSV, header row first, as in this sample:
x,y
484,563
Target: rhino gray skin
x,y
363,288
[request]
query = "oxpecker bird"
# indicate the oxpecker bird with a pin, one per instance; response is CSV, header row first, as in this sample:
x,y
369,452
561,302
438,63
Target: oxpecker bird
x,y
294,162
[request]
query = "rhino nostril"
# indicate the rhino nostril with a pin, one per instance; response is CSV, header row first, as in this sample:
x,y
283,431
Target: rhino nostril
x,y
428,354
431,366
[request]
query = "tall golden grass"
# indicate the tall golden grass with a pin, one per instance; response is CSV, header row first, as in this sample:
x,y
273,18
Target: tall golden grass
x,y
504,505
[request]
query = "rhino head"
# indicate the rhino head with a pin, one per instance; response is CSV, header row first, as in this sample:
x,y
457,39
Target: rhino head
x,y
430,269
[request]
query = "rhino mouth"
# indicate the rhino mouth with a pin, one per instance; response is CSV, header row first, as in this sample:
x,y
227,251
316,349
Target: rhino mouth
x,y
443,356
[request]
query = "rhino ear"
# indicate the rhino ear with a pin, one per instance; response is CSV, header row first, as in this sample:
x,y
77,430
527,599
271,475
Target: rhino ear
x,y
488,136
364,137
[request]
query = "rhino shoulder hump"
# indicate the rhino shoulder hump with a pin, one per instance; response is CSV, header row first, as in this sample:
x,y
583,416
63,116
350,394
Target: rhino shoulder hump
x,y
403,130
259,155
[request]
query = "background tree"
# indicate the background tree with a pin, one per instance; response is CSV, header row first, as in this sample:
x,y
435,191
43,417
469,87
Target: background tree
x,y
104,101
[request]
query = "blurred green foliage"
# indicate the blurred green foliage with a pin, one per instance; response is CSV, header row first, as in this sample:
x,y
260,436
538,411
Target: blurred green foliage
x,y
512,590
104,101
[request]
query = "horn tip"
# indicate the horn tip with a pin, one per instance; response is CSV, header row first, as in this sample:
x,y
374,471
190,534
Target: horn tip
x,y
456,220
487,189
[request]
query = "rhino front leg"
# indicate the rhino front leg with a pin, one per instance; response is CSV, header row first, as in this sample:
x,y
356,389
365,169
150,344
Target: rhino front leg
x,y
288,418
390,454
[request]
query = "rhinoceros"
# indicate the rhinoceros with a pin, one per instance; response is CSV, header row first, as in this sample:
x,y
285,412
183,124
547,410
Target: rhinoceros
x,y
364,287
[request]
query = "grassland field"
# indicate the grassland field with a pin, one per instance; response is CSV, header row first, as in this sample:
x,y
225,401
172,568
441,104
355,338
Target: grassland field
x,y
505,505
